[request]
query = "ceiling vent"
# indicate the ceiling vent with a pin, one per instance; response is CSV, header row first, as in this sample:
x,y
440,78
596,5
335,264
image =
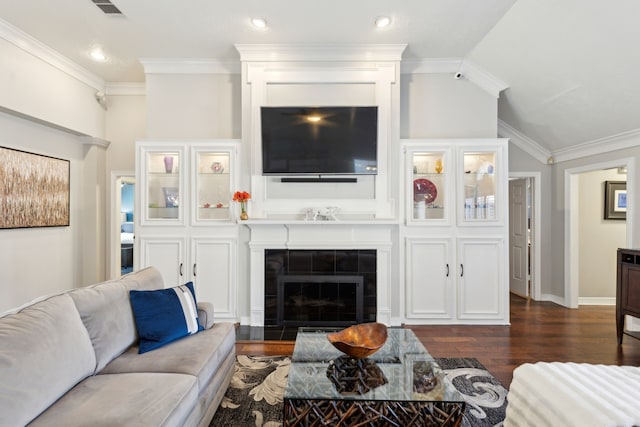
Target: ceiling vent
x,y
107,7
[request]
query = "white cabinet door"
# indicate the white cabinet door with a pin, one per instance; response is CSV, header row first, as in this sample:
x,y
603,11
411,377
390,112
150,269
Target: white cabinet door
x,y
429,291
167,254
161,171
480,273
213,268
482,175
429,189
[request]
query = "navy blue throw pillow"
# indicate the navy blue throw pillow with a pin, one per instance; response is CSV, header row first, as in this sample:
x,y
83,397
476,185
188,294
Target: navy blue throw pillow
x,y
164,315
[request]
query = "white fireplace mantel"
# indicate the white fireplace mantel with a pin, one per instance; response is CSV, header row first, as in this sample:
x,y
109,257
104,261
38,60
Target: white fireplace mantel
x,y
320,235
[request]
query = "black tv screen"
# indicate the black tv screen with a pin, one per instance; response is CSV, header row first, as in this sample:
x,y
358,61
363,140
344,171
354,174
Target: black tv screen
x,y
319,140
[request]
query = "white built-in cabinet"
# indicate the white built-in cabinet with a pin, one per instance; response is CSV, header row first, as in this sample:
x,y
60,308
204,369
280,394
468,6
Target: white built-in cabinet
x,y
186,228
455,231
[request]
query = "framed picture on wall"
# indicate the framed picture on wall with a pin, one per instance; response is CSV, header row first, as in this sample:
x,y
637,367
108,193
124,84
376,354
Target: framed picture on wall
x,y
34,190
615,200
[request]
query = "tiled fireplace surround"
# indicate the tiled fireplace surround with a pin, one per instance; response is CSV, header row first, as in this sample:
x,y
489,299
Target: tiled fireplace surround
x,y
319,287
327,250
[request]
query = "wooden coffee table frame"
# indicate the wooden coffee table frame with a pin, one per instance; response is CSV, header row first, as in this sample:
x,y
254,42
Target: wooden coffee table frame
x,y
321,412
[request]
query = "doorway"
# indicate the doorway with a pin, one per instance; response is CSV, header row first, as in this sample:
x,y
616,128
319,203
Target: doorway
x,y
122,232
525,234
575,238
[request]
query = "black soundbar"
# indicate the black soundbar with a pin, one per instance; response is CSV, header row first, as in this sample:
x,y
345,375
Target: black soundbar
x,y
318,179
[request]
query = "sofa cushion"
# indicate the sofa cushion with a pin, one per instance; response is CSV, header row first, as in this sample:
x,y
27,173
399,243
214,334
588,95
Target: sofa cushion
x,y
106,312
135,399
164,315
200,355
44,351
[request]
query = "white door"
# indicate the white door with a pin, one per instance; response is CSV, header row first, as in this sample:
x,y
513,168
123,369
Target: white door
x,y
213,271
518,241
429,279
480,278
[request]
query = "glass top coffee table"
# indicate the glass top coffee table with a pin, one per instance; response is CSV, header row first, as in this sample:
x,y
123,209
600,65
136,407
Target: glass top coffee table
x,y
399,385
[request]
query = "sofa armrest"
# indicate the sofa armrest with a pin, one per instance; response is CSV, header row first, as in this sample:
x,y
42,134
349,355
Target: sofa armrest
x,y
205,314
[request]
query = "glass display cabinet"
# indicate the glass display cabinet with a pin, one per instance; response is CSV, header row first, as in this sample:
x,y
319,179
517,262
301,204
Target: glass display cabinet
x,y
212,189
162,184
429,176
186,182
479,183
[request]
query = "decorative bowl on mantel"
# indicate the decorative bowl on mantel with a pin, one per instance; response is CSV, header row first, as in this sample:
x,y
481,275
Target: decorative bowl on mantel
x,y
360,340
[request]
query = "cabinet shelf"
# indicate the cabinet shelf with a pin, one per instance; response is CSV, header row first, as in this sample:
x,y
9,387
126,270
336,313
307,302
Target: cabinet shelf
x,y
165,174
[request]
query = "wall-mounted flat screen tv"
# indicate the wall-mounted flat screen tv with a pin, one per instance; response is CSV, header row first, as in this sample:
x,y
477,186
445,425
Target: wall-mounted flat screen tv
x,y
319,140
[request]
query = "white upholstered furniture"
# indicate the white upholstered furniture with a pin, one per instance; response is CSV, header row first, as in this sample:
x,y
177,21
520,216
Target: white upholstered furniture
x,y
574,394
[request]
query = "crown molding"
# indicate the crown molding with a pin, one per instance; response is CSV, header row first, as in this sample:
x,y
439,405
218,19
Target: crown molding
x,y
598,146
481,77
470,71
189,66
320,52
124,89
523,142
43,52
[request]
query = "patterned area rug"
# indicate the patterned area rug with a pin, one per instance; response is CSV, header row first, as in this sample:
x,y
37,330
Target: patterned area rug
x,y
254,398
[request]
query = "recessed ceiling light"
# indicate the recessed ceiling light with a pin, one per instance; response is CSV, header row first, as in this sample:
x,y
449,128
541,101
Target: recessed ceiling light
x,y
382,21
98,55
259,22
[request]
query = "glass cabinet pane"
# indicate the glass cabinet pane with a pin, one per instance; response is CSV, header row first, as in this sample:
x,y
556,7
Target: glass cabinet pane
x,y
429,174
479,186
163,185
213,191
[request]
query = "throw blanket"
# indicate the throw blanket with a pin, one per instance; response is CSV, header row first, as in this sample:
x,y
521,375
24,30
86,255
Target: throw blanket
x,y
574,394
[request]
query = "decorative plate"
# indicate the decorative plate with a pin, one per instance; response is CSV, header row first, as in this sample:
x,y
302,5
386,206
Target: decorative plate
x,y
217,167
423,189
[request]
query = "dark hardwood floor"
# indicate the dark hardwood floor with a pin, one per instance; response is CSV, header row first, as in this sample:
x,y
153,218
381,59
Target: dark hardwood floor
x,y
539,331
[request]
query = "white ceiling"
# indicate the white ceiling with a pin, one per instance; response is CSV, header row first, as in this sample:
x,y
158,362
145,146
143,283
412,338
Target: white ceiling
x,y
570,64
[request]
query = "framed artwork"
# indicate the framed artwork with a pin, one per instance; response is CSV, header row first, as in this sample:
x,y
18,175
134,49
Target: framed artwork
x,y
615,200
34,190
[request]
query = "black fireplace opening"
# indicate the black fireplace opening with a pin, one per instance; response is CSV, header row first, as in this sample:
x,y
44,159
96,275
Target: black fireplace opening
x,y
319,287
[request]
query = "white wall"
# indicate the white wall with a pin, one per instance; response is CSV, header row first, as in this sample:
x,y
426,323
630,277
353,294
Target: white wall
x,y
439,106
556,216
125,123
51,110
193,106
36,89
39,261
599,238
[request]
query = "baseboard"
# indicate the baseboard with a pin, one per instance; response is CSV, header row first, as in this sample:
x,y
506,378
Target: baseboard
x,y
597,301
553,298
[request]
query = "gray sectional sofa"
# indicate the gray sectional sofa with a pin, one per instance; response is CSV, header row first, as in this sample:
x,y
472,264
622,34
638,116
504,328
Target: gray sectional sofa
x,y
72,360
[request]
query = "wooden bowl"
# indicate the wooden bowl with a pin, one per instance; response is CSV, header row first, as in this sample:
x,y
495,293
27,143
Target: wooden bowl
x,y
361,340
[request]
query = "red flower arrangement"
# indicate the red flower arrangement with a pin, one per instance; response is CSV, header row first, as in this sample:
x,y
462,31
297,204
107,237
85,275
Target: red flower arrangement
x,y
242,197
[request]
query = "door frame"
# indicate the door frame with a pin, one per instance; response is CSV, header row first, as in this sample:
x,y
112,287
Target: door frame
x,y
536,250
571,232
114,228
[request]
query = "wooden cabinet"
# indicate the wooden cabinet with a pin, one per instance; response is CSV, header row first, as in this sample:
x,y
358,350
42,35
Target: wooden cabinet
x,y
628,290
455,232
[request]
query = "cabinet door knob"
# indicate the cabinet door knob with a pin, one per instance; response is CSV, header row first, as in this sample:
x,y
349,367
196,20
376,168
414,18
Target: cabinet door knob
x,y
194,269
461,270
180,269
447,270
